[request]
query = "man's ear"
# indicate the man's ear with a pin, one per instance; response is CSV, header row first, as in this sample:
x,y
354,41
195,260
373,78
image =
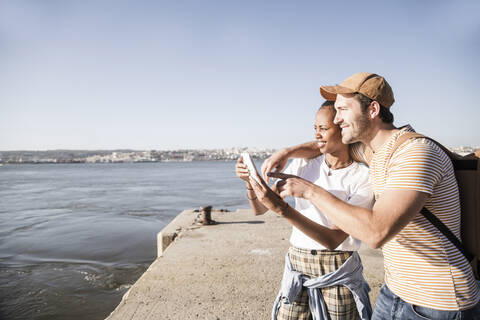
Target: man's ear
x,y
373,110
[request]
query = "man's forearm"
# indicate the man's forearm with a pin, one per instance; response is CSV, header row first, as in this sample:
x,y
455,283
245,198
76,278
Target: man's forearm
x,y
389,215
355,221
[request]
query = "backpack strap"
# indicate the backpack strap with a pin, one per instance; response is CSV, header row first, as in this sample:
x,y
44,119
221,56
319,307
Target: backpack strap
x,y
447,233
402,139
368,152
425,212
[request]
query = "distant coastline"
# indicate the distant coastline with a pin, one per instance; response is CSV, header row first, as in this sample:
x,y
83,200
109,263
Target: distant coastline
x,y
128,156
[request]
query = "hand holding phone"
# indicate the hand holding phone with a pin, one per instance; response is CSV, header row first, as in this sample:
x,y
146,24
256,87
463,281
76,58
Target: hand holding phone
x,y
250,165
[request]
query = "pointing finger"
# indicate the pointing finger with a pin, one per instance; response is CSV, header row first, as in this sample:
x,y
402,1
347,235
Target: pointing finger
x,y
280,175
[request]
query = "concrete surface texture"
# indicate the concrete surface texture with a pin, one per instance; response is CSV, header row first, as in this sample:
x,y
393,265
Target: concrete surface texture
x,y
231,270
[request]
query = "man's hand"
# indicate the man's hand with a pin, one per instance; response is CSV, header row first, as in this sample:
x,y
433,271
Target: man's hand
x,y
276,161
293,186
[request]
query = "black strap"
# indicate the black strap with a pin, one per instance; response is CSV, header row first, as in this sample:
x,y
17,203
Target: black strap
x,y
446,232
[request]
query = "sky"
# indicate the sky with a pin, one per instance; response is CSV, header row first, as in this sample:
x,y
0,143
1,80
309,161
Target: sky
x,y
111,74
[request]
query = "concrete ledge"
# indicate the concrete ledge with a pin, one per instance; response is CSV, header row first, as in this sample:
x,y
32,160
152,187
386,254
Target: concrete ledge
x,y
168,234
182,222
230,270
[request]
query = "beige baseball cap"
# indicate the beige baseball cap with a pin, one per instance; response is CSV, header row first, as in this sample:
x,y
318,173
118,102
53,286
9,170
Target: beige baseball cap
x,y
369,84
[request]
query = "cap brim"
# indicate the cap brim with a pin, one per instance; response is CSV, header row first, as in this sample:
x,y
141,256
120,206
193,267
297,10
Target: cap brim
x,y
330,92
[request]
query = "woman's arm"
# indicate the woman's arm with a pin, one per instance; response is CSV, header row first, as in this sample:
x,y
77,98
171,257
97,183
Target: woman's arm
x,y
257,206
331,239
242,172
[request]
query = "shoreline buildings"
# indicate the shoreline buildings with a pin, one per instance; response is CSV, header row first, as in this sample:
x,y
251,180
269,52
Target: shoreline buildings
x,y
127,156
123,156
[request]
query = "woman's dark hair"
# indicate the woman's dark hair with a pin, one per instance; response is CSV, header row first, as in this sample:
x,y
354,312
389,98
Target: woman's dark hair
x,y
328,105
365,101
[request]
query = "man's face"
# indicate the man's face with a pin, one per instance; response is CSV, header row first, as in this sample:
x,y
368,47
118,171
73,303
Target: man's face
x,y
353,122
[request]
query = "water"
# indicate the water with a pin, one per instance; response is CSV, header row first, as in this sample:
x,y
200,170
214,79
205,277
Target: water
x,y
75,237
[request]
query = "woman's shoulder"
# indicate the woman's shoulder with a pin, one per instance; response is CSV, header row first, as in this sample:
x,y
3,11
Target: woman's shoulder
x,y
313,162
300,166
362,167
360,170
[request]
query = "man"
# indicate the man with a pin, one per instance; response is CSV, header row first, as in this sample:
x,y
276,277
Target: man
x,y
425,275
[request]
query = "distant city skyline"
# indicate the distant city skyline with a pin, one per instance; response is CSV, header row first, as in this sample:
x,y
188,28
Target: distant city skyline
x,y
120,156
87,156
154,75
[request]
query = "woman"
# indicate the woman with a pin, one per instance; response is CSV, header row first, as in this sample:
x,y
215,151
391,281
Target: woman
x,y
316,247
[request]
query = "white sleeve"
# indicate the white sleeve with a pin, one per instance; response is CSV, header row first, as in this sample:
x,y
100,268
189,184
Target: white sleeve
x,y
293,167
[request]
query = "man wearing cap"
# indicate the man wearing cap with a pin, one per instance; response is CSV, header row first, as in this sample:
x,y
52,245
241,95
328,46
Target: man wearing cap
x,y
426,276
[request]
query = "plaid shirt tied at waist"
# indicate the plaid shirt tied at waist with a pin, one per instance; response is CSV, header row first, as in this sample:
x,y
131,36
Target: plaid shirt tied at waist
x,y
349,275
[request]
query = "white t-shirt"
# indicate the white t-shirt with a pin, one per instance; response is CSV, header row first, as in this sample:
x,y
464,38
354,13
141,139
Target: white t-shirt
x,y
350,184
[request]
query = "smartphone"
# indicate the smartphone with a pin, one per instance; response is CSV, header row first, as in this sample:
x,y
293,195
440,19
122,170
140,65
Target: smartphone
x,y
250,165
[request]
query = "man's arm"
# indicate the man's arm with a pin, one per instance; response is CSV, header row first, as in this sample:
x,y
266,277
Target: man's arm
x,y
278,160
308,150
389,215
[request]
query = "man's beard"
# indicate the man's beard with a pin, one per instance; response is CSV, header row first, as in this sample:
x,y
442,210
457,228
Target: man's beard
x,y
359,132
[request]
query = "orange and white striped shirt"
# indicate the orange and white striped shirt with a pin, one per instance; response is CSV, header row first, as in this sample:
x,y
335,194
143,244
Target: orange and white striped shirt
x,y
421,265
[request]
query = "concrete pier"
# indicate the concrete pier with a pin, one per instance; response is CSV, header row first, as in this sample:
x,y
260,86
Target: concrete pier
x,y
230,270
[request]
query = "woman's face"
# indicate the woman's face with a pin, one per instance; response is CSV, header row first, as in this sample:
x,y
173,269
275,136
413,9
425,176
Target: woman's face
x,y
327,134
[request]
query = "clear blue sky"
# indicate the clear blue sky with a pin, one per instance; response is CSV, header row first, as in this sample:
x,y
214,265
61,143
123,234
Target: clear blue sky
x,y
213,74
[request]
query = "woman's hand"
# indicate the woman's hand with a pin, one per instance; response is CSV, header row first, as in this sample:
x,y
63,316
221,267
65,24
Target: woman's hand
x,y
241,170
268,197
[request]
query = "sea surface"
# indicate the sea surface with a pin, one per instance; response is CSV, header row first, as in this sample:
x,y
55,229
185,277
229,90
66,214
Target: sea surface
x,y
75,237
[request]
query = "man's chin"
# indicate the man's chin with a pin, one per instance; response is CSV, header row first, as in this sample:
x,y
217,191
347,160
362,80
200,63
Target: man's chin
x,y
348,139
345,141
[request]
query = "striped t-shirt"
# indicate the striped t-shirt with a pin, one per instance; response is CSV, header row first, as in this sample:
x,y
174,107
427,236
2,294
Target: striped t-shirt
x,y
421,265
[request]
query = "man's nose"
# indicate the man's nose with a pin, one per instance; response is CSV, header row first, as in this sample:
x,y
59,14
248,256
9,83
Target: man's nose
x,y
337,119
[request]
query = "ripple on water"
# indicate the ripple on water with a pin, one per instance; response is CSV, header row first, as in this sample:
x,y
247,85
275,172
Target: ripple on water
x,y
48,290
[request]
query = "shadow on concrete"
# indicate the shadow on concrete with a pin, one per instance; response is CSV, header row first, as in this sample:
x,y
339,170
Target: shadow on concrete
x,y
236,222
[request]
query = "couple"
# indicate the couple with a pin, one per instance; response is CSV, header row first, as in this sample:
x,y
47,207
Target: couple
x,y
426,277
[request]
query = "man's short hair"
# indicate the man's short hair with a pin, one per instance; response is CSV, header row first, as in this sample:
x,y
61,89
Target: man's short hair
x,y
385,114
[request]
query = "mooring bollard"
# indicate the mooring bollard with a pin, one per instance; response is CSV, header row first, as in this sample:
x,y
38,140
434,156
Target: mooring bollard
x,y
205,216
